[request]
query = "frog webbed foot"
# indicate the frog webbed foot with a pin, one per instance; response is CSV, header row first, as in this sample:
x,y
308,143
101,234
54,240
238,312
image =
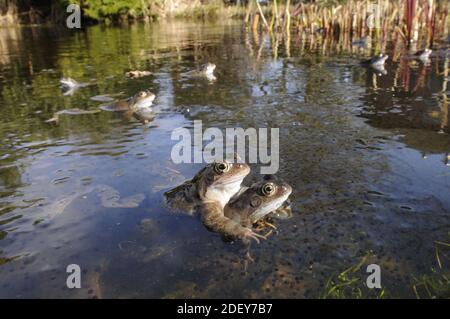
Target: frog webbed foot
x,y
262,224
248,234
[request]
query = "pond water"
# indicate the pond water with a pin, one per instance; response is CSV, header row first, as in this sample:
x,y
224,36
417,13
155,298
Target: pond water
x,y
367,157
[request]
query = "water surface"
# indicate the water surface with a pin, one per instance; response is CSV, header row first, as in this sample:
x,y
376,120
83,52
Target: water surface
x,y
367,156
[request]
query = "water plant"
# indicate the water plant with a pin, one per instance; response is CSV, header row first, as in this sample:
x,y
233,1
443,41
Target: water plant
x,y
350,284
413,20
436,284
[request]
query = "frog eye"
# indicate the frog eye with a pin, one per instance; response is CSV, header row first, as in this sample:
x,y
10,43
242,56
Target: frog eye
x,y
268,189
220,168
142,94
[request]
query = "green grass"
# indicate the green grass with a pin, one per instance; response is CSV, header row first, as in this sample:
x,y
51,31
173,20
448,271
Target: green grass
x,y
350,284
437,284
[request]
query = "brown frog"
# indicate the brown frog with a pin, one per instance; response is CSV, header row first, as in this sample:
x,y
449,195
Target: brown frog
x,y
376,61
252,204
137,74
138,106
141,100
208,193
205,71
423,55
376,64
70,85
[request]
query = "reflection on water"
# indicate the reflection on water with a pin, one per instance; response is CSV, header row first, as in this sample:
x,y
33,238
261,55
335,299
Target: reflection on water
x,y
367,156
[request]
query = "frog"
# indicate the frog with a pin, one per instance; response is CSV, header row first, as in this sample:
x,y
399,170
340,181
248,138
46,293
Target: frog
x,y
138,106
206,195
141,100
423,55
144,115
376,64
206,71
267,197
137,74
376,61
71,85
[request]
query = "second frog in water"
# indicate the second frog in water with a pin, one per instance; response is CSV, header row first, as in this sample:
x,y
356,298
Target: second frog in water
x,y
252,204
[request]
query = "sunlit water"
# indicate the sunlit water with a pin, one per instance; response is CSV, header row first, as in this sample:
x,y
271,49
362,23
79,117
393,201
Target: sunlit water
x,y
366,155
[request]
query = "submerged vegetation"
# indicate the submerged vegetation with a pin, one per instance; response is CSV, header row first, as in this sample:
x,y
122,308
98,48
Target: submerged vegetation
x,y
351,284
437,284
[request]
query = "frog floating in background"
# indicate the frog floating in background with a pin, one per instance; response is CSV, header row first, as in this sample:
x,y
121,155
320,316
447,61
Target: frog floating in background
x,y
205,71
70,85
139,101
423,55
376,63
139,106
137,74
